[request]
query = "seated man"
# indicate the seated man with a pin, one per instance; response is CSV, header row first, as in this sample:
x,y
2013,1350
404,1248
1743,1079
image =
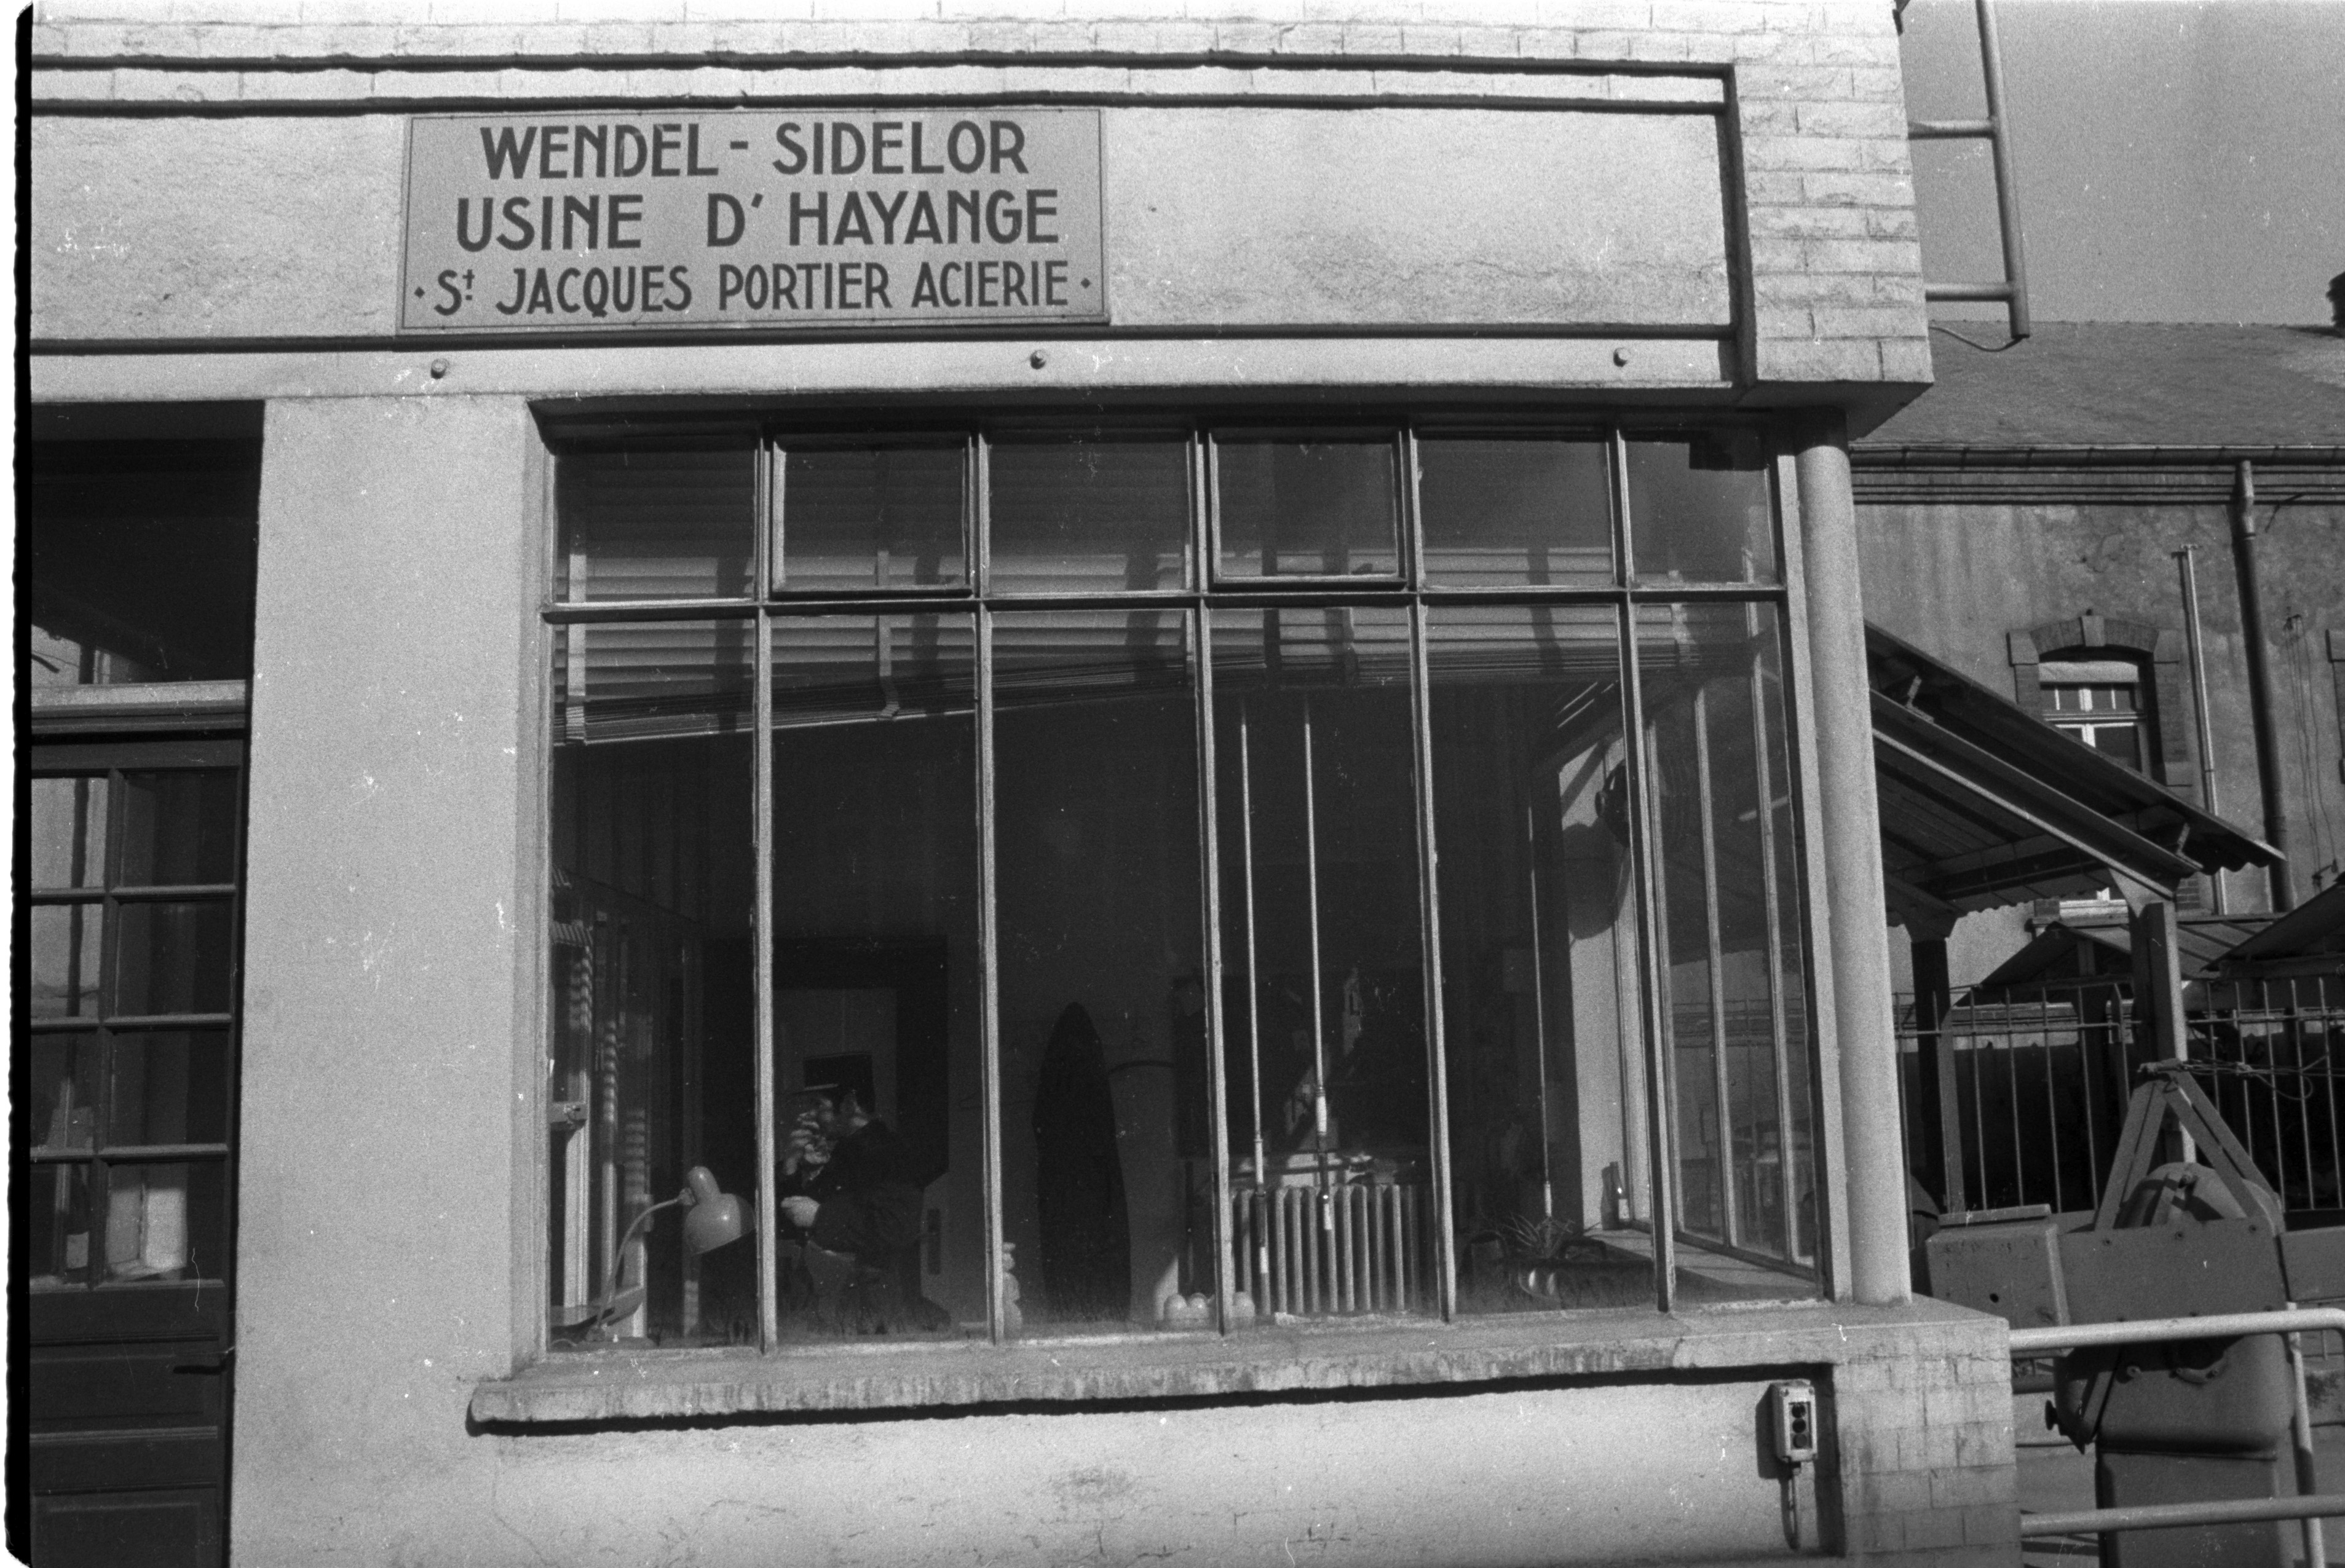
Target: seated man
x,y
847,1194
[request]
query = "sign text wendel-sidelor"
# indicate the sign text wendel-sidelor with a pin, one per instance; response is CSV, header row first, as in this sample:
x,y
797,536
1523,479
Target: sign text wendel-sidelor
x,y
762,220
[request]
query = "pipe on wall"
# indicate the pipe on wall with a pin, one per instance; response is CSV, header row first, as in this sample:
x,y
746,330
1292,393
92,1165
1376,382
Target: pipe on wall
x,y
2259,690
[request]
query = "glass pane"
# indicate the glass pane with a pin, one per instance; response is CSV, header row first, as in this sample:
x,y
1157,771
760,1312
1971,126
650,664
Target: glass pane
x,y
652,1059
657,680
64,943
876,975
2119,744
68,832
652,523
135,561
1712,718
871,516
173,957
1541,963
169,1087
1323,1008
177,826
1107,1157
165,1222
1698,508
1306,509
59,1110
1514,510
56,1213
1089,516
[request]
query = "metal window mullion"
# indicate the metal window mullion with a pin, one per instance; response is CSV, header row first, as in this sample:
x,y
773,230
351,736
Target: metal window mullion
x,y
1714,949
1429,924
1217,1057
1771,890
997,1275
1323,1219
1659,1113
768,546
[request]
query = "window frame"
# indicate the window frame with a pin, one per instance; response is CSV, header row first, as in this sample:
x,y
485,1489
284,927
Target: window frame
x,y
1626,595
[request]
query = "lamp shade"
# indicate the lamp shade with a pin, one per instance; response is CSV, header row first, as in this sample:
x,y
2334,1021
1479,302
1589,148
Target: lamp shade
x,y
711,1217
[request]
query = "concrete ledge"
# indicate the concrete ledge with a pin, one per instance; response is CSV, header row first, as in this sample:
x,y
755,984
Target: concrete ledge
x,y
587,1389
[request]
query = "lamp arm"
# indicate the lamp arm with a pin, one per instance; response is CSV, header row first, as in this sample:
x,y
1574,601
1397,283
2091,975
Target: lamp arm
x,y
619,1253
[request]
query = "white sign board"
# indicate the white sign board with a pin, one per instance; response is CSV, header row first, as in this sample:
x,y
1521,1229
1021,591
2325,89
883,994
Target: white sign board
x,y
823,219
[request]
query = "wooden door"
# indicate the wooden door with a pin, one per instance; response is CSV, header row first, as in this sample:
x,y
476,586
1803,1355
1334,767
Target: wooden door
x,y
126,1144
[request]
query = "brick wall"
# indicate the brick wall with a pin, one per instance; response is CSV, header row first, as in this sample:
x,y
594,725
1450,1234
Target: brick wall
x,y
1928,1472
1835,283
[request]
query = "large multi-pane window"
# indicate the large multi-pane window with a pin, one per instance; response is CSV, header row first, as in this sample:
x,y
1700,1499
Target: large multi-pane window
x,y
1154,877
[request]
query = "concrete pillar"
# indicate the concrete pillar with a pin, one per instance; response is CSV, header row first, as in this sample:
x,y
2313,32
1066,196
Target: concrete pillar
x,y
1855,907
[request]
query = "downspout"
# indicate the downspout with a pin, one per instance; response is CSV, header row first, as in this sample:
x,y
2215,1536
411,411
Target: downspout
x,y
2260,691
2189,558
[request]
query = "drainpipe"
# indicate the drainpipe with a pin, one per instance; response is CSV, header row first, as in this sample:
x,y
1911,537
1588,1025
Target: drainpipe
x,y
2260,691
2188,556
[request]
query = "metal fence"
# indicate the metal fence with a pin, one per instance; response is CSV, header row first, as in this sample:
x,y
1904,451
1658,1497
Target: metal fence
x,y
2040,1078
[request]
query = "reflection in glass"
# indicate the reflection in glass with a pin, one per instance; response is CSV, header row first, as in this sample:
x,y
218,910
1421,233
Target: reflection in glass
x,y
1087,516
169,1085
1713,728
1698,508
67,831
876,972
55,1242
871,516
165,1221
652,1055
1324,1010
1107,1157
1540,960
63,948
173,957
655,523
177,827
1305,508
1521,510
59,1110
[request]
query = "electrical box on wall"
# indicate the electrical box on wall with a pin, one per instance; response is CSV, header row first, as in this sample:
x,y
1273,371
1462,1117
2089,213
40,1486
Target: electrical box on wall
x,y
1792,1404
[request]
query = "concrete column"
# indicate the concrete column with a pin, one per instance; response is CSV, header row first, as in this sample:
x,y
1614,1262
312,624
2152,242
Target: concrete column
x,y
1855,911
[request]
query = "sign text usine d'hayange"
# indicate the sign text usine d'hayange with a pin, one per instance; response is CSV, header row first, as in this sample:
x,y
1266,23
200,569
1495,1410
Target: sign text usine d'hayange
x,y
674,221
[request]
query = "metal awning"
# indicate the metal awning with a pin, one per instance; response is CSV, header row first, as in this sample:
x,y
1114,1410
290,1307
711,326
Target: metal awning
x,y
1983,804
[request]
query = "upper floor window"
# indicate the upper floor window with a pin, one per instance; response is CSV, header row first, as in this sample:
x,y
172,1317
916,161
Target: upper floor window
x,y
2097,702
1163,875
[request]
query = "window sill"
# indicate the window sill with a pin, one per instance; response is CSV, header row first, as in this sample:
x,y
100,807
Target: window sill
x,y
668,1385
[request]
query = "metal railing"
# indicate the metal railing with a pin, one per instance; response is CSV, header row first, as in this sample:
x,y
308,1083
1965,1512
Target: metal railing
x,y
2041,1076
2309,1506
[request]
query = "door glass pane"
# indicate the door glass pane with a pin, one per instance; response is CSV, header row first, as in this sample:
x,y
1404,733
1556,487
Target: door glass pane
x,y
655,523
875,971
1320,941
1541,965
169,1087
64,959
1306,509
1088,515
874,517
1698,508
1107,1156
58,1112
177,826
68,832
1517,510
165,1222
173,957
1712,717
652,1068
56,1211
